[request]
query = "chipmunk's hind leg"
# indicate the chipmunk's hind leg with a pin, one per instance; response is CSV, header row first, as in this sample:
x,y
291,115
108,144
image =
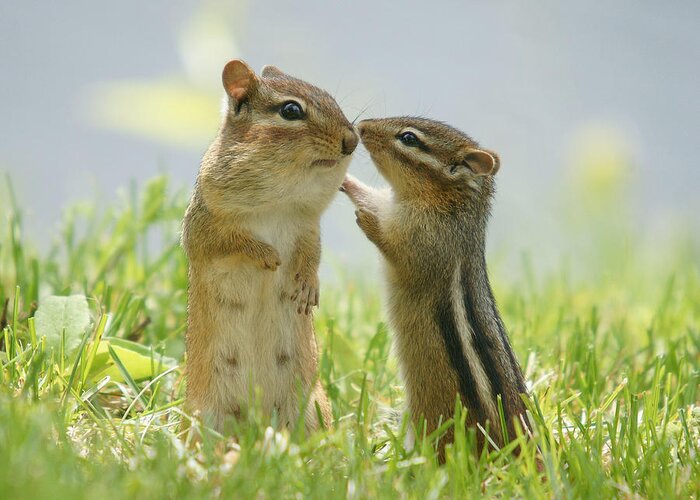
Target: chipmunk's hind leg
x,y
319,405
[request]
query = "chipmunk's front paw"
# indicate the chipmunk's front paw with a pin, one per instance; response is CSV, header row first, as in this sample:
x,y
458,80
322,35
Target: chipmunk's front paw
x,y
306,293
349,183
352,187
268,259
368,222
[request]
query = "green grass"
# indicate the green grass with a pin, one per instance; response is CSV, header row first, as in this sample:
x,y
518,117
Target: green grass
x,y
610,346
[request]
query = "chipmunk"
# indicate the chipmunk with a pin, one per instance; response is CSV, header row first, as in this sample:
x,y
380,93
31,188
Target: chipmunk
x,y
430,227
252,236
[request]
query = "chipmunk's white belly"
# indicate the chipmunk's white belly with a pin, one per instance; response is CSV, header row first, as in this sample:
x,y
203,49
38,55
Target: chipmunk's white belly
x,y
255,324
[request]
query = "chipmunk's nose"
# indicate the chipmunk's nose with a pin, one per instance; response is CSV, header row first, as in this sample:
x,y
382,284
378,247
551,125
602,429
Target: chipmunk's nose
x,y
350,140
362,126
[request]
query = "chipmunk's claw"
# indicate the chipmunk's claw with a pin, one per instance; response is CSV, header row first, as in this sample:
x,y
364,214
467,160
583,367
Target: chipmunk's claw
x,y
270,259
369,223
306,294
271,265
348,183
361,215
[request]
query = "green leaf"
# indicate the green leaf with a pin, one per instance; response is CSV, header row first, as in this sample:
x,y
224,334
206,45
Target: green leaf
x,y
58,314
140,361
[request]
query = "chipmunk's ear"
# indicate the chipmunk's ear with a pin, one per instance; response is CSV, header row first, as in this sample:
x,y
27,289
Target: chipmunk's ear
x,y
482,162
270,71
239,81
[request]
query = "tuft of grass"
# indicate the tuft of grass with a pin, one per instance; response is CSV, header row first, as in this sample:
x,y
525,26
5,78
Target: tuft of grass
x,y
612,360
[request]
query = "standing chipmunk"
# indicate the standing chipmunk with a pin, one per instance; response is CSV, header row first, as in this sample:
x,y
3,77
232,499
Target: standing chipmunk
x,y
430,228
252,236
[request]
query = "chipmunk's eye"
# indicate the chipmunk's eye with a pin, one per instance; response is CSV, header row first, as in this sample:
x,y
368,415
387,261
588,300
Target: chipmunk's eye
x,y
291,110
409,139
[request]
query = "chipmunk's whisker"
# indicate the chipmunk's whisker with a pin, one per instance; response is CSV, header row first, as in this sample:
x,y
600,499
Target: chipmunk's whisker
x,y
361,113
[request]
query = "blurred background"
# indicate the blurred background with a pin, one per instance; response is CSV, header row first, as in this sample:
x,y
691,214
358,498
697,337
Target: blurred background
x,y
595,111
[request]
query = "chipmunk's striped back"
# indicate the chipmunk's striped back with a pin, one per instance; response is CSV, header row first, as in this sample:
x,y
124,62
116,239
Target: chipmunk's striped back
x,y
479,352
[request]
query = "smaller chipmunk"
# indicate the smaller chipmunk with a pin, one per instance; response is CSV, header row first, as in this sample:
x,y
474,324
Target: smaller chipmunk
x,y
252,236
430,228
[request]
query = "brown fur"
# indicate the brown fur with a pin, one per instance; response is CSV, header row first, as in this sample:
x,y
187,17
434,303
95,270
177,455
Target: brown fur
x,y
252,236
430,228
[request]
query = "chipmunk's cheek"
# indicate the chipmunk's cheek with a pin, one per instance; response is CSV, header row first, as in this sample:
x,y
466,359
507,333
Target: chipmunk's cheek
x,y
375,150
376,159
